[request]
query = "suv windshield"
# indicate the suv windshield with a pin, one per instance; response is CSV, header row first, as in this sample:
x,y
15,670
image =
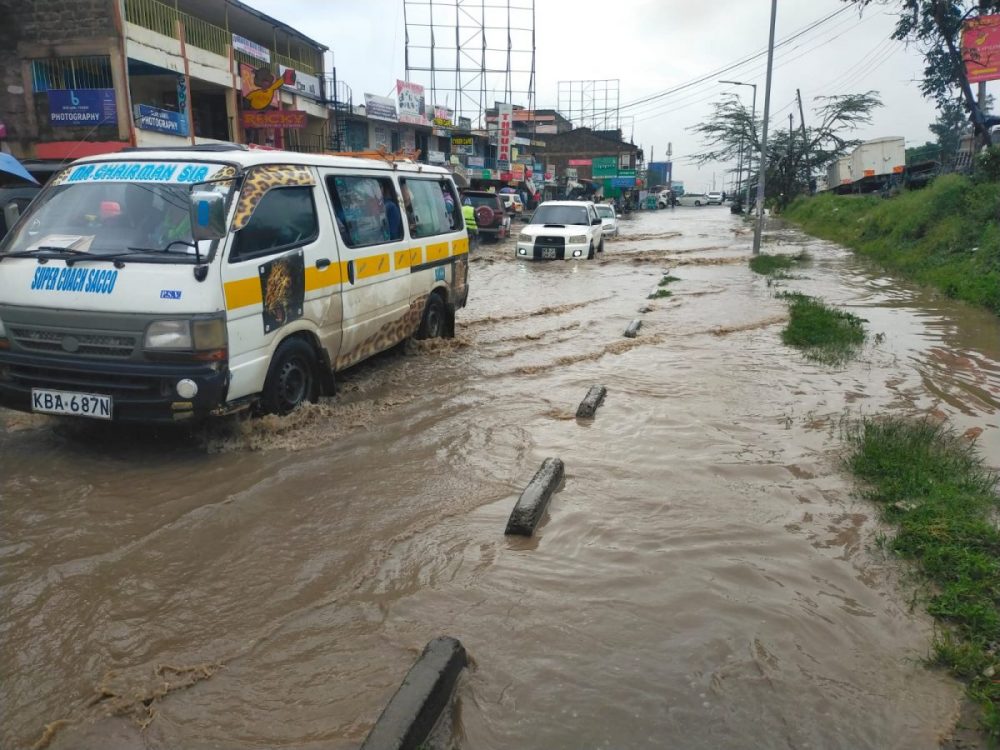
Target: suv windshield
x,y
136,220
561,215
605,212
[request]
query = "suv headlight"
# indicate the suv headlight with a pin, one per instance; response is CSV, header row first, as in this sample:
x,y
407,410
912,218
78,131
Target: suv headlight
x,y
198,335
525,237
577,240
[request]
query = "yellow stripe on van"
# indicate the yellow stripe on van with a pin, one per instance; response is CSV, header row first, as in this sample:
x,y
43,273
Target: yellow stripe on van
x,y
373,265
333,274
437,251
409,257
460,247
243,292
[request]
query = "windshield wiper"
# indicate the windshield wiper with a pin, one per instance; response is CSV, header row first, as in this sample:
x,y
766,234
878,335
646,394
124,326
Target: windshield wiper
x,y
168,249
51,251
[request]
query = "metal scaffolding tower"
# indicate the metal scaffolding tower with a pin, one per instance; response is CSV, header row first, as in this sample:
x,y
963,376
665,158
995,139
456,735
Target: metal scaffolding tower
x,y
591,104
469,54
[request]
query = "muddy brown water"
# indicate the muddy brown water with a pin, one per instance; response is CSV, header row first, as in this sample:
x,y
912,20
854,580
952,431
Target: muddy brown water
x,y
707,577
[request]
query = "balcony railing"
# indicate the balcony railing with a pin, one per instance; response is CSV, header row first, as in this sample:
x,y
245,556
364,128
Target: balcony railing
x,y
163,19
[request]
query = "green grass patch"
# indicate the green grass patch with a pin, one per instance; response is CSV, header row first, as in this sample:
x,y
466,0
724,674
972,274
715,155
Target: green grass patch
x,y
766,265
668,279
823,333
933,486
945,236
660,294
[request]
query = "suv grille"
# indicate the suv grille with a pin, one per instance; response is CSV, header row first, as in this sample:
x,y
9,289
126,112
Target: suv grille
x,y
115,345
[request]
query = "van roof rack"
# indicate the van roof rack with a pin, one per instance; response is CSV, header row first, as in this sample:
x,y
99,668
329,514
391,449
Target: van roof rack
x,y
210,147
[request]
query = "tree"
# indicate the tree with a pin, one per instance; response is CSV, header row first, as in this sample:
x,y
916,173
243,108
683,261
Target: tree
x,y
952,121
731,126
935,26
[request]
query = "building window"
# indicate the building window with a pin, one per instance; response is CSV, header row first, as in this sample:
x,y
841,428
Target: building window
x,y
92,72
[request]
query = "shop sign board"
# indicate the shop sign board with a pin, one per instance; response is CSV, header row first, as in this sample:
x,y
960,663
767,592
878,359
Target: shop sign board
x,y
70,108
411,102
160,120
247,47
282,119
604,166
381,108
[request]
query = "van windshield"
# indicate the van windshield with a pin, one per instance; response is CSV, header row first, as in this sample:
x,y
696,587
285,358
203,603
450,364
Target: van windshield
x,y
134,220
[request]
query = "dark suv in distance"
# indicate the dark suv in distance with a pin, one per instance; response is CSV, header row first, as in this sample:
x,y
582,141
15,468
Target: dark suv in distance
x,y
491,218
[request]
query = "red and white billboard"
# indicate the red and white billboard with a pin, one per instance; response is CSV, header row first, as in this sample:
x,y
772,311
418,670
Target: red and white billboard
x,y
506,112
981,48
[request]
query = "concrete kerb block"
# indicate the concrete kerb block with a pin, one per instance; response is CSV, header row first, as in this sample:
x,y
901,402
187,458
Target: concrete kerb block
x,y
593,399
414,710
535,498
633,329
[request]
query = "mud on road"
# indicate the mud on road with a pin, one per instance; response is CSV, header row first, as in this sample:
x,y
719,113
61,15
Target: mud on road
x,y
707,576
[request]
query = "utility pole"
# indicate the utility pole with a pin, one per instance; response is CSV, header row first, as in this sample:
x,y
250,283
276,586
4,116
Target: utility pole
x,y
763,138
981,93
805,143
790,172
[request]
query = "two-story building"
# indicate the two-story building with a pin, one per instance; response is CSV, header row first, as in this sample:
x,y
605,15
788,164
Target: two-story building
x,y
94,76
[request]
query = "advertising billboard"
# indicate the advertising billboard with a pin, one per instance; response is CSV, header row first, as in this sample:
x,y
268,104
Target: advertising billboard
x,y
411,103
381,108
981,48
82,107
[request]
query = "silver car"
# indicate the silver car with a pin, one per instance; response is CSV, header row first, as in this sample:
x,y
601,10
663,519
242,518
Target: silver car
x,y
609,219
693,199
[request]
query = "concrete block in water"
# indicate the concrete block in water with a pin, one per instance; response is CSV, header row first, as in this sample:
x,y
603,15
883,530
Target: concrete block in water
x,y
535,498
593,399
633,329
410,716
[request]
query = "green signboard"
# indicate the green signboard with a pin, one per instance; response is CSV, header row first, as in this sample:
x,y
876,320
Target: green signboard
x,y
604,166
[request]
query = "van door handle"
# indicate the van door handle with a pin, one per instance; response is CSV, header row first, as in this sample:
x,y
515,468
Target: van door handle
x,y
322,263
350,271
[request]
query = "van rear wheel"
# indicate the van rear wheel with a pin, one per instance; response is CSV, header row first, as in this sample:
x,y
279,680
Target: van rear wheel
x,y
433,324
292,378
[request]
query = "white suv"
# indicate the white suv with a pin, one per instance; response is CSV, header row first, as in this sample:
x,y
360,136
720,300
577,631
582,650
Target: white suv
x,y
561,230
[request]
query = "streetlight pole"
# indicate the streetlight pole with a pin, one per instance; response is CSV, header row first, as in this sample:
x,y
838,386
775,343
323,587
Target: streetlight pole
x,y
753,124
763,138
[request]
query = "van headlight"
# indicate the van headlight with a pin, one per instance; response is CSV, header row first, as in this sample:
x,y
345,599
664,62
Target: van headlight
x,y
198,335
577,240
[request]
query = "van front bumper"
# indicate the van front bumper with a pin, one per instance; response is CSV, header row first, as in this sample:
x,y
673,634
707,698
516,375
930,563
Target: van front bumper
x,y
140,391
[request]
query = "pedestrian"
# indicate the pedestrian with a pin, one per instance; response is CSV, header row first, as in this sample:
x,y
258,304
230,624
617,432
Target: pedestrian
x,y
394,217
471,225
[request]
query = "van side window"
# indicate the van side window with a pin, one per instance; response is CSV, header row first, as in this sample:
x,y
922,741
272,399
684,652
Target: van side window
x,y
431,207
367,209
284,218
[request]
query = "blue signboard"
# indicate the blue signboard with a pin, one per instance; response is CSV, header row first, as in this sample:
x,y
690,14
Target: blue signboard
x,y
622,182
69,108
160,120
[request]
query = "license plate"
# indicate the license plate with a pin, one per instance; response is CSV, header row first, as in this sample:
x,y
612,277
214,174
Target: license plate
x,y
548,252
71,403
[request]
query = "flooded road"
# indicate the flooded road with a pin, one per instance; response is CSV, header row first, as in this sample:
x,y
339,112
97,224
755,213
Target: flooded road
x,y
706,577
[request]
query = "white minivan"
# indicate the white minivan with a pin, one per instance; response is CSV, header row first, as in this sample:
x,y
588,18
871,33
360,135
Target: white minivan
x,y
173,284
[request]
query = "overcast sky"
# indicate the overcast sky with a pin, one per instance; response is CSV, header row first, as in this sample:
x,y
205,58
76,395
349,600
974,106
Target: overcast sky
x,y
651,46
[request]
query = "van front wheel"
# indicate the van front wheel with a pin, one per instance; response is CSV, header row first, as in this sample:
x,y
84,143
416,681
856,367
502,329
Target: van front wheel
x,y
291,380
432,326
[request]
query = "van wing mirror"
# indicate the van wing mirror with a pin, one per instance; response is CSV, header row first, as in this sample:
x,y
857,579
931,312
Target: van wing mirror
x,y
208,215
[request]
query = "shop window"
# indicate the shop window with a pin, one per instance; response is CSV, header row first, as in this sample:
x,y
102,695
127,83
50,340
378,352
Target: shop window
x,y
90,72
284,218
431,207
367,210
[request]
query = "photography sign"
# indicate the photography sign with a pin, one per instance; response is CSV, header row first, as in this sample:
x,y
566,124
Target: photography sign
x,y
69,108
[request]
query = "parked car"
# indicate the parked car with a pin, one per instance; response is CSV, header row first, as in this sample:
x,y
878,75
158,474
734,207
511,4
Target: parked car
x,y
512,203
491,218
609,219
561,230
692,199
714,199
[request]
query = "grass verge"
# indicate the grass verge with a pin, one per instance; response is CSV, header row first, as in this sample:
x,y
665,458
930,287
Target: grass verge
x,y
660,294
668,279
945,236
823,333
769,264
933,486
